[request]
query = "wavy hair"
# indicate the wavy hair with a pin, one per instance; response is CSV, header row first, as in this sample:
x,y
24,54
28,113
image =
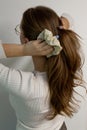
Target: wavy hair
x,y
64,70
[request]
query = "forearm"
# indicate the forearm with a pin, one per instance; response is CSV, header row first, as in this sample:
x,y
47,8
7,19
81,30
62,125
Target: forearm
x,y
13,50
32,48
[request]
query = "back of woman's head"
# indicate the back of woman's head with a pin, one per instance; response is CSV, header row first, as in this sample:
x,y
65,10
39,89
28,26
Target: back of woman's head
x,y
64,70
35,20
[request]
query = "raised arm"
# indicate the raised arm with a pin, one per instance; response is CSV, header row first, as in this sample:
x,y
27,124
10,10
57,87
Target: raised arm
x,y
12,79
32,48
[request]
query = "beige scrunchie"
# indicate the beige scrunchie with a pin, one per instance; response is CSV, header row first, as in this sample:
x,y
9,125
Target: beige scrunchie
x,y
50,40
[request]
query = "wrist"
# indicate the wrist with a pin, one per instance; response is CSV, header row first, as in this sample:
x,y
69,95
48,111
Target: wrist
x,y
21,50
25,50
13,50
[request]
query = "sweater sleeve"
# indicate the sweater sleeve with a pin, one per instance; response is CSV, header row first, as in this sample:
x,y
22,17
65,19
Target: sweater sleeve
x,y
2,52
12,80
15,81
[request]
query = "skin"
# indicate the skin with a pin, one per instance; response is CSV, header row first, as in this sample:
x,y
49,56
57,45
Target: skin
x,y
27,48
40,61
65,22
34,48
37,49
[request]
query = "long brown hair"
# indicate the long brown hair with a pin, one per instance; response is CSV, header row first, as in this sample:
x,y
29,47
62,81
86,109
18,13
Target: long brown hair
x,y
64,70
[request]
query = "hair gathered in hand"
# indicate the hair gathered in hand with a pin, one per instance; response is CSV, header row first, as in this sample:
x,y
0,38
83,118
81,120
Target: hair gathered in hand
x,y
64,71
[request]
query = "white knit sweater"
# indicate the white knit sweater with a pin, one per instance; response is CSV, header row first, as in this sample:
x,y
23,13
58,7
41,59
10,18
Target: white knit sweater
x,y
29,96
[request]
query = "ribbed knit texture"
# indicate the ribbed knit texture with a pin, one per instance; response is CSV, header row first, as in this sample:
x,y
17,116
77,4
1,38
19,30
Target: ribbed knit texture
x,y
29,96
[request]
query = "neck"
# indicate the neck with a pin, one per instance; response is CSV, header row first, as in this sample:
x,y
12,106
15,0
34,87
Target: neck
x,y
39,63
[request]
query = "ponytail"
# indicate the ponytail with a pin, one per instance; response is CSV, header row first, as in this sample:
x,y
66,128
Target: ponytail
x,y
64,70
64,73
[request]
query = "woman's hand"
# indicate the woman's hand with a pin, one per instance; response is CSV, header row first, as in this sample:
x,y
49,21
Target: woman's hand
x,y
32,48
37,48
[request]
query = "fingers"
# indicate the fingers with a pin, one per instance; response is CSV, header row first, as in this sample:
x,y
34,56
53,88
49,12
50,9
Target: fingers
x,y
41,48
44,45
39,41
46,52
44,48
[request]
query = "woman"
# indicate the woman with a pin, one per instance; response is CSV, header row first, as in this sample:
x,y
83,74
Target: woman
x,y
43,98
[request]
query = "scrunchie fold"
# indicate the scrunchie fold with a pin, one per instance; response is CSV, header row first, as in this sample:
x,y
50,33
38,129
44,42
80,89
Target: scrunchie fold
x,y
50,40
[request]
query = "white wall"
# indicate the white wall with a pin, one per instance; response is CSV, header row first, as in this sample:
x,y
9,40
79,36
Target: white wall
x,y
10,15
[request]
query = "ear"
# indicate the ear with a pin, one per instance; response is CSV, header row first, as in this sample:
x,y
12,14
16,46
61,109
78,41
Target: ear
x,y
26,40
23,39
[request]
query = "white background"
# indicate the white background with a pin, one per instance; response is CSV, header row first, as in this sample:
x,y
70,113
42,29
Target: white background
x,y
10,15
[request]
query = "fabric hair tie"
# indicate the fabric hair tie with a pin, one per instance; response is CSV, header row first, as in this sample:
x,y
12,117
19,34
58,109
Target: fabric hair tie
x,y
61,27
51,40
57,36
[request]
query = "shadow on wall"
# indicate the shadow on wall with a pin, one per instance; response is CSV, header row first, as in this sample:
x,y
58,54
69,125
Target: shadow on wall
x,y
6,111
